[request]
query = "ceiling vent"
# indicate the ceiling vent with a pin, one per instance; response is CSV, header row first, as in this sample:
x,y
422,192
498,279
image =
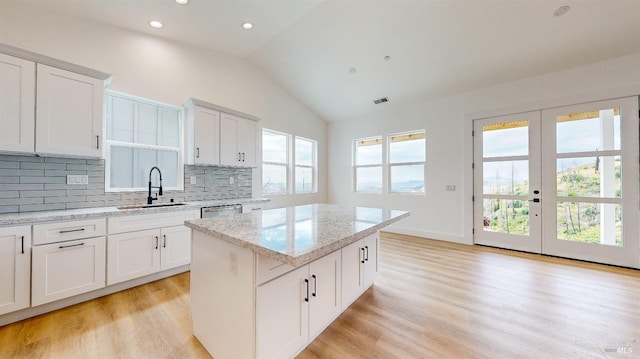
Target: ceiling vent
x,y
380,100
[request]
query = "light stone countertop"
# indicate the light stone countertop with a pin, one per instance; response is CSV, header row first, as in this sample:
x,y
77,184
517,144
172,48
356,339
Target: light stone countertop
x,y
301,234
87,213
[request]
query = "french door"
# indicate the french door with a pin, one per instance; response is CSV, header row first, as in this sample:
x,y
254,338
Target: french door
x,y
561,181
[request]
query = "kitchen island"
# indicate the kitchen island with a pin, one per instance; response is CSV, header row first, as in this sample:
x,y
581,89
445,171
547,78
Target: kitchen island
x,y
265,284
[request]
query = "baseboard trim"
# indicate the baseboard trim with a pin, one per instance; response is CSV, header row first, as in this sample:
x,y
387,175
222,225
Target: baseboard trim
x,y
67,302
431,235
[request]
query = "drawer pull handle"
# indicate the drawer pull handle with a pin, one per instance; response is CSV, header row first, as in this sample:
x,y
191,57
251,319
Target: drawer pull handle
x,y
22,244
72,245
72,230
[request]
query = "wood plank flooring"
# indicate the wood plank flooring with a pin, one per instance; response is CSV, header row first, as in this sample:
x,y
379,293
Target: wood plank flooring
x,y
431,300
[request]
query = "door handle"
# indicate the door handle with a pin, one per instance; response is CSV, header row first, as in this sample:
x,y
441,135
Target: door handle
x,y
306,299
157,239
367,252
164,243
536,200
22,244
242,156
362,261
197,152
239,157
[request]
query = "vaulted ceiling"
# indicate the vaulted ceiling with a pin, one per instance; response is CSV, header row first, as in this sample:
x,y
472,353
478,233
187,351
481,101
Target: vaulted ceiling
x,y
331,54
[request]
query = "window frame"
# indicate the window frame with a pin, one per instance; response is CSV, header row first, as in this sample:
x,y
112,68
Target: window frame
x,y
381,165
313,166
391,165
285,164
108,144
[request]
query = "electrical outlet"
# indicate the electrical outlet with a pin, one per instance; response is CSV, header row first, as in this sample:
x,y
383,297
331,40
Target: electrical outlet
x,y
230,180
451,187
194,180
77,179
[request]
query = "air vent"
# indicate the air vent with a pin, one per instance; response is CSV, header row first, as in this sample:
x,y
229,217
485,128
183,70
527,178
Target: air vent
x,y
381,100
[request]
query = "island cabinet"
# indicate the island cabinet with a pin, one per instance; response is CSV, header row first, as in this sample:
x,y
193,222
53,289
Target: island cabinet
x,y
359,268
296,307
15,268
146,244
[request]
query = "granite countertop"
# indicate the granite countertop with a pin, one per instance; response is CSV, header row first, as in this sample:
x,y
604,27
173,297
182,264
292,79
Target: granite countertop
x,y
87,213
301,234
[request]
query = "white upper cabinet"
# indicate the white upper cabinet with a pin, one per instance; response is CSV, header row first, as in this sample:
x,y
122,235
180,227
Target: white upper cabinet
x,y
206,149
238,141
17,104
69,113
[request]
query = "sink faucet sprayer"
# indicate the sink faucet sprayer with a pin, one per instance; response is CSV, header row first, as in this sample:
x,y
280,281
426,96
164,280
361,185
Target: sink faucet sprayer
x,y
151,199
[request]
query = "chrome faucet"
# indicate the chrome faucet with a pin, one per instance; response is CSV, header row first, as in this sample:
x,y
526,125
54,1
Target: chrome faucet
x,y
151,199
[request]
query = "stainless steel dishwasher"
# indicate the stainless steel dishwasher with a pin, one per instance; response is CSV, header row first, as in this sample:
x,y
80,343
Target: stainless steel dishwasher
x,y
221,210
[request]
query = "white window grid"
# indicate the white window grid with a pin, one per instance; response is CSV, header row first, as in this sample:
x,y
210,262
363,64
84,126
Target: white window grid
x,y
313,166
284,164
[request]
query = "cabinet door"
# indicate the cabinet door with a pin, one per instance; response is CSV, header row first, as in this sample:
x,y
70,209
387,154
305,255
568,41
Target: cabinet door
x,y
325,294
352,272
370,260
283,315
62,270
176,247
15,268
69,113
247,142
17,104
132,255
206,136
229,154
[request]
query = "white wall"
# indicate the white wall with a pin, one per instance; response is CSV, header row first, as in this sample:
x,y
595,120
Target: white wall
x,y
448,215
169,72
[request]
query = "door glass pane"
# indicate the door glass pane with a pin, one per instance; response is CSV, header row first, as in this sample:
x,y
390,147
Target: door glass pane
x,y
505,139
589,176
506,216
506,177
598,223
597,130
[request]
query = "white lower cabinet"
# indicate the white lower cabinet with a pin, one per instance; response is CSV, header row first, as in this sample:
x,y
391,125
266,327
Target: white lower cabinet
x,y
136,254
15,268
359,268
65,269
294,308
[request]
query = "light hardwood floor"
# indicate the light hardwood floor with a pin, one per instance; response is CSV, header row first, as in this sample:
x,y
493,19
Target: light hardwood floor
x,y
431,300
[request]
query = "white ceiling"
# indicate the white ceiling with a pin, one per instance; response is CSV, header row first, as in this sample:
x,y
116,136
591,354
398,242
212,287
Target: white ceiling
x,y
437,47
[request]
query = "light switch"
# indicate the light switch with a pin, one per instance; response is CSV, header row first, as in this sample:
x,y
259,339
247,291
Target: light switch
x,y
194,180
451,187
77,179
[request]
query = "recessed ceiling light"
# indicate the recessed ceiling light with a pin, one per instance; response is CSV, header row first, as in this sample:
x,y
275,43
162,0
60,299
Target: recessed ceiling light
x,y
561,10
353,70
155,24
182,2
247,26
387,58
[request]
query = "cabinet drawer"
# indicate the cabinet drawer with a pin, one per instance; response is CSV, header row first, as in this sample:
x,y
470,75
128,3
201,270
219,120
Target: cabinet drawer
x,y
62,270
268,268
67,231
149,221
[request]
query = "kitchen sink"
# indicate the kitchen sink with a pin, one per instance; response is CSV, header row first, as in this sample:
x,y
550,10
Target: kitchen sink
x,y
140,206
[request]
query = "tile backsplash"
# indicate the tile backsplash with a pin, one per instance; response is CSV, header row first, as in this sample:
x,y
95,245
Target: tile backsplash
x,y
29,183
